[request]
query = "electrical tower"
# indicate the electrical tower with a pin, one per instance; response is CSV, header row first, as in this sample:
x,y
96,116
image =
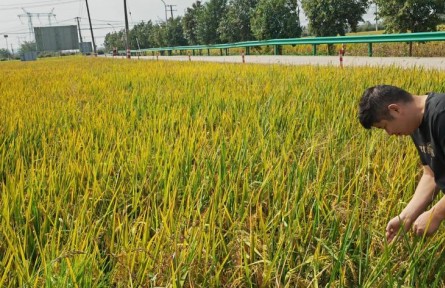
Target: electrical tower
x,y
38,15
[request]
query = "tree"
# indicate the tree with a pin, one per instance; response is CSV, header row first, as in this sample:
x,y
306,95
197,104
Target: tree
x,y
208,21
139,37
173,33
27,46
334,17
115,40
157,35
5,54
140,34
190,23
236,26
401,16
273,19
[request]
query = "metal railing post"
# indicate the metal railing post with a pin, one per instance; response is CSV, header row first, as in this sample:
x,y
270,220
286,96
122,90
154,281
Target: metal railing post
x,y
277,49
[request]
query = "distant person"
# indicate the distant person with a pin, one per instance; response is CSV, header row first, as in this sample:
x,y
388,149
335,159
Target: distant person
x,y
423,118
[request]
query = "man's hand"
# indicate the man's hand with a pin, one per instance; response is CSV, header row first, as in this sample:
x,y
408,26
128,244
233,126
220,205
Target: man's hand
x,y
425,192
394,226
426,224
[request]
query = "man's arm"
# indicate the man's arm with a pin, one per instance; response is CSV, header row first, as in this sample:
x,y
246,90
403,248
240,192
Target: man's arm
x,y
429,221
425,192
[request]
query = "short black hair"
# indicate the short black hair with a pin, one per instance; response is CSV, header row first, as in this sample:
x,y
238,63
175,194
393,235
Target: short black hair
x,y
374,103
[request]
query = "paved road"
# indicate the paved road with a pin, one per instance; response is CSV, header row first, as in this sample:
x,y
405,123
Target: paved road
x,y
405,62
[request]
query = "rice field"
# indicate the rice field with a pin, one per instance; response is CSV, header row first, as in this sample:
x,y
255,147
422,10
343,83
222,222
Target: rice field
x,y
170,174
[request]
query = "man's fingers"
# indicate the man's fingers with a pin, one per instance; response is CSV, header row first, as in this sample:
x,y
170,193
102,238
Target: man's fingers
x,y
418,231
389,236
415,229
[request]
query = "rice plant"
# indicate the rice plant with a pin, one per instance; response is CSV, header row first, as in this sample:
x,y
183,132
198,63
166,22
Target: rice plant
x,y
147,174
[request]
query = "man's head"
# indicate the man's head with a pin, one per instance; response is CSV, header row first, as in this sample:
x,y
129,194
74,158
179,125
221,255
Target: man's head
x,y
390,108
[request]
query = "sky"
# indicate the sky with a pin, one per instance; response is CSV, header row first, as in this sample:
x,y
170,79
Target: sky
x,y
107,16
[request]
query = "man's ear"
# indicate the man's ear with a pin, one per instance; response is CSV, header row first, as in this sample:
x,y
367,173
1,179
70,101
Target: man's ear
x,y
394,108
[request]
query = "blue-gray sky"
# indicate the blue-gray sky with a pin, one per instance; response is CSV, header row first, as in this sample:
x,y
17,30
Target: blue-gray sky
x,y
107,15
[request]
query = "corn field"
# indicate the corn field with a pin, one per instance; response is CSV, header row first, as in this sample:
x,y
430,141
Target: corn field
x,y
119,173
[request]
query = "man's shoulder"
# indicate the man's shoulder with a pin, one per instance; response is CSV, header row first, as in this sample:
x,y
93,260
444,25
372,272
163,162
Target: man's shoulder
x,y
436,104
437,98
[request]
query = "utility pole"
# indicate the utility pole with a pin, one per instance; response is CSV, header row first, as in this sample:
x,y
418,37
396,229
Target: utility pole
x,y
376,18
91,29
78,27
127,40
298,14
171,10
6,38
137,40
165,7
80,34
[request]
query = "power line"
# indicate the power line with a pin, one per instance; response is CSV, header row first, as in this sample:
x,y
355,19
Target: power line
x,y
103,20
31,3
14,33
9,21
100,28
63,21
112,21
39,5
14,30
81,7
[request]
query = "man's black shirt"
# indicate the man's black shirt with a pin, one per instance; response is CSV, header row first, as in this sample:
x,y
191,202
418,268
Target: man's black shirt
x,y
429,138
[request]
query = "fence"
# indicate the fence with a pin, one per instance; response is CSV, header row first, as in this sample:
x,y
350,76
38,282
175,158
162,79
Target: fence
x,y
314,41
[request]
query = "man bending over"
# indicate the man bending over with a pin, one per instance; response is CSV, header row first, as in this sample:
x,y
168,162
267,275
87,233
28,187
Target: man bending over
x,y
423,118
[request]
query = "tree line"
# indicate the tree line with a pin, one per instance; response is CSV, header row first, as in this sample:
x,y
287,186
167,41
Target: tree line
x,y
228,21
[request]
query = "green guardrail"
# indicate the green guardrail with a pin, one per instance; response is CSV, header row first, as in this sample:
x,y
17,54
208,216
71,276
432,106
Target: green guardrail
x,y
314,41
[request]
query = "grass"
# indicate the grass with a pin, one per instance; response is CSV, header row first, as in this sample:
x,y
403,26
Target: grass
x,y
144,174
